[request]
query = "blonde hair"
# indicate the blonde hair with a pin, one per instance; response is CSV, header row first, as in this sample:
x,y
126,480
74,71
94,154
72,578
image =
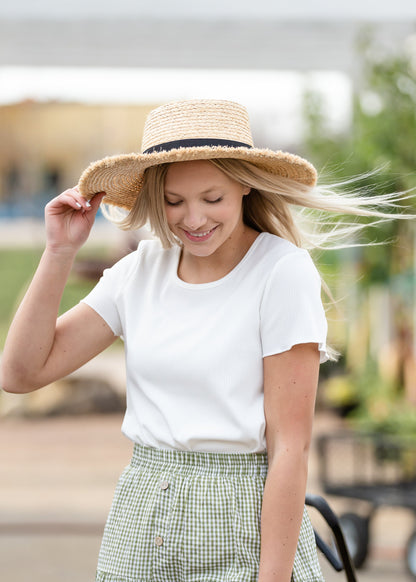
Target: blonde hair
x,y
309,217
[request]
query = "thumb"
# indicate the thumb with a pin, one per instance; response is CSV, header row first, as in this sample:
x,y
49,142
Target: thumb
x,y
95,201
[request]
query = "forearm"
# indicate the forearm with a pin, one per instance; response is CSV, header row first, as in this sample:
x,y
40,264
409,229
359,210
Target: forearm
x,y
31,335
282,511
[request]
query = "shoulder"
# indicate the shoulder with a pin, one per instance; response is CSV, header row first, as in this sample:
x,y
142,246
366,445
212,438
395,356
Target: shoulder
x,y
287,270
279,254
152,256
276,246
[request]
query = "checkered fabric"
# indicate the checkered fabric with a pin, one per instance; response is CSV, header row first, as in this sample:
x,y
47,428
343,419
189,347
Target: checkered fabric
x,y
180,516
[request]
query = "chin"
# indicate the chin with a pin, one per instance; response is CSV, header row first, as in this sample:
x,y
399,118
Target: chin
x,y
199,251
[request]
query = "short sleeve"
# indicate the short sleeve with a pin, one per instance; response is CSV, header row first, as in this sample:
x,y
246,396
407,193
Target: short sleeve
x,y
291,311
105,297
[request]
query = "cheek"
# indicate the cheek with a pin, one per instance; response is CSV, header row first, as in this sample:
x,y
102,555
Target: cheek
x,y
233,211
171,214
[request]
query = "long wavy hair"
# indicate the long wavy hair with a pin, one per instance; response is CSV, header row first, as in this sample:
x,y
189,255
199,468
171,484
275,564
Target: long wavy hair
x,y
309,217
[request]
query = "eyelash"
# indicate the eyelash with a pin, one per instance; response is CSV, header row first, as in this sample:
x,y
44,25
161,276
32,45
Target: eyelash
x,y
207,201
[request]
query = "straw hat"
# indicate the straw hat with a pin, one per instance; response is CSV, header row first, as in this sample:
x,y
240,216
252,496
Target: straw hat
x,y
183,131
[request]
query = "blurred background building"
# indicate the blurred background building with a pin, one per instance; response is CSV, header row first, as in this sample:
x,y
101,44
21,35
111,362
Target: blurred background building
x,y
45,145
77,80
333,81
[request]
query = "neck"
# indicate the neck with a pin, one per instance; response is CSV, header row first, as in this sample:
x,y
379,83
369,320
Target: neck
x,y
194,269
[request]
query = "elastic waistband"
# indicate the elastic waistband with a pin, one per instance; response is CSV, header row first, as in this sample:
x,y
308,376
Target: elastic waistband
x,y
253,464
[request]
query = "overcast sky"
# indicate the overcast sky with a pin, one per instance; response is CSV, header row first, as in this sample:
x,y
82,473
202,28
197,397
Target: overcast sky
x,y
237,9
274,98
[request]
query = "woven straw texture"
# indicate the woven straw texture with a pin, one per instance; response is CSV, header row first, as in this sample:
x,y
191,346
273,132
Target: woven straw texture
x,y
202,119
121,177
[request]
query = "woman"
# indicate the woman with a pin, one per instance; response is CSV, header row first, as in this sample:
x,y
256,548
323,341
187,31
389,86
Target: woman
x,y
224,332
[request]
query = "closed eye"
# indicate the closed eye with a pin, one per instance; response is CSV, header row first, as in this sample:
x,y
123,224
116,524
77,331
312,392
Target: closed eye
x,y
169,203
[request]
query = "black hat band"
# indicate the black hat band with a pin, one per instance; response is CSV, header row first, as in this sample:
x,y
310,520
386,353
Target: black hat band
x,y
198,142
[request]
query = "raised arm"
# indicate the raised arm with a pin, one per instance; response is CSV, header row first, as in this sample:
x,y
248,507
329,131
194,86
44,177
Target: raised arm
x,y
41,348
290,382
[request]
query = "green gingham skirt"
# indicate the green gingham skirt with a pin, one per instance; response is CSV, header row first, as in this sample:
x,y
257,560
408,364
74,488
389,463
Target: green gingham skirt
x,y
179,516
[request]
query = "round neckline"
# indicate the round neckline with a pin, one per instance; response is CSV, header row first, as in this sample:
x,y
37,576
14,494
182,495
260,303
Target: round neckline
x,y
183,283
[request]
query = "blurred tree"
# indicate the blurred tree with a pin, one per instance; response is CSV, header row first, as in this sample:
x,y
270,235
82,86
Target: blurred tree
x,y
382,136
379,147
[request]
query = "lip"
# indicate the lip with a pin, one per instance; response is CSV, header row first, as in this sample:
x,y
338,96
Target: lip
x,y
199,237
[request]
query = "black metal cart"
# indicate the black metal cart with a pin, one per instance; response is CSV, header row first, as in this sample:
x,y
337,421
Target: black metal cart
x,y
379,470
337,554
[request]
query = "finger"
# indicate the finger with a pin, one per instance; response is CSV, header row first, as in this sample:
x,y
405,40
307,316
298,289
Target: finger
x,y
73,198
95,201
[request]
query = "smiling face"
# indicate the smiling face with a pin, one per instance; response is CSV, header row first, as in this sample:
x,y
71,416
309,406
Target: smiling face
x,y
203,207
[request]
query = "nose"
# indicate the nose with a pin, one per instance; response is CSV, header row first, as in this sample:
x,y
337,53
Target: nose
x,y
194,218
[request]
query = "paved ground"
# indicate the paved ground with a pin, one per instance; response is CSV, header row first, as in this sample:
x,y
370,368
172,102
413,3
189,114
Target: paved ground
x,y
57,478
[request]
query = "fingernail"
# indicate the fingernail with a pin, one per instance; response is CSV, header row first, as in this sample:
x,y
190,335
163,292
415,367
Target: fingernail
x,y
78,204
88,204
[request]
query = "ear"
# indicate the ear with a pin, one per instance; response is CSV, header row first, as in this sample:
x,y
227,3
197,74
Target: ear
x,y
246,190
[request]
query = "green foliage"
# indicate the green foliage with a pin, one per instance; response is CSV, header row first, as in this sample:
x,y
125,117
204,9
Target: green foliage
x,y
383,128
373,404
380,145
387,417
360,389
382,409
17,267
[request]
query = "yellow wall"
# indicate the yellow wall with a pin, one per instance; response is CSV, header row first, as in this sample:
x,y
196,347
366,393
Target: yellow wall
x,y
61,137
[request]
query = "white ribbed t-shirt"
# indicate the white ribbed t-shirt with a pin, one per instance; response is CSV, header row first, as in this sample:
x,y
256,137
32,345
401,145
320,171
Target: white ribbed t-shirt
x,y
194,352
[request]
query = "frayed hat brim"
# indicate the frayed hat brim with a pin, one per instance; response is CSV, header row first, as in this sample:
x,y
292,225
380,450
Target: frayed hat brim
x,y
121,177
